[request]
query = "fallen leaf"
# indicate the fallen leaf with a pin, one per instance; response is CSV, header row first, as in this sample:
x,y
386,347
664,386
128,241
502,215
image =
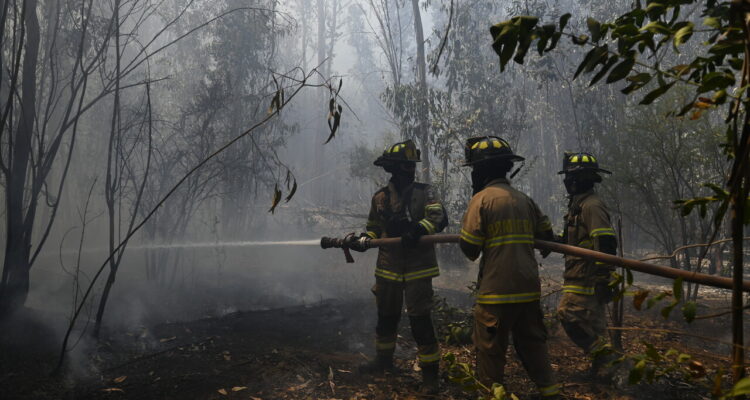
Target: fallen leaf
x,y
344,371
110,390
227,357
255,398
238,388
169,339
120,379
222,391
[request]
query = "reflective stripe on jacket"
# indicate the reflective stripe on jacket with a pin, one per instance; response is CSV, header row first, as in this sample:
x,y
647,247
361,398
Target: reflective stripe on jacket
x,y
586,222
503,222
396,263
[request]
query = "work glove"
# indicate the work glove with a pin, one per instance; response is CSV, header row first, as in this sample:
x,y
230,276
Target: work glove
x,y
410,236
355,243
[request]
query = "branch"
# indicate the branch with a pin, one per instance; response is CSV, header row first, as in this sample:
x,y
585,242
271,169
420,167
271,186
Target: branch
x,y
674,253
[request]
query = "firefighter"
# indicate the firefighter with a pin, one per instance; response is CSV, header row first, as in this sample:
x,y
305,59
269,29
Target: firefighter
x,y
501,224
409,210
586,289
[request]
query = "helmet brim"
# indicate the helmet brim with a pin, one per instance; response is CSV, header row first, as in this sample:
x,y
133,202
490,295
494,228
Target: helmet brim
x,y
509,157
602,170
383,161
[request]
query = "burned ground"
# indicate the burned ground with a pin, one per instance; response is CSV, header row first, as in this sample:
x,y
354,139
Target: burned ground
x,y
312,352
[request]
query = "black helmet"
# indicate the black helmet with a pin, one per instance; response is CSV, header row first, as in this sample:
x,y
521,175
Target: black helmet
x,y
574,162
483,148
400,152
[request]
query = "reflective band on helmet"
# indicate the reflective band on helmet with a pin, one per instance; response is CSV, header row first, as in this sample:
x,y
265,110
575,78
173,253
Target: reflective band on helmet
x,y
384,345
508,298
551,390
394,276
510,239
372,234
429,358
545,225
434,206
428,226
602,232
471,239
584,290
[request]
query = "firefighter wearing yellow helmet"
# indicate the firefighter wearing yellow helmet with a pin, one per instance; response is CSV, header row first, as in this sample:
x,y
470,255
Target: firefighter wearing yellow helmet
x,y
405,209
586,289
501,224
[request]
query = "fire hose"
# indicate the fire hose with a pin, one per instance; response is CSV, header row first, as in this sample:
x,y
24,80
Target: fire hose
x,y
633,265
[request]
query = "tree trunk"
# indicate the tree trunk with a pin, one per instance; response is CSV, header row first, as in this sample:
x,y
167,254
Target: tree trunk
x,y
14,286
111,190
423,123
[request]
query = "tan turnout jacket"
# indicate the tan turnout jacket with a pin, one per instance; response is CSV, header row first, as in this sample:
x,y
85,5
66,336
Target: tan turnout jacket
x,y
396,263
587,220
503,222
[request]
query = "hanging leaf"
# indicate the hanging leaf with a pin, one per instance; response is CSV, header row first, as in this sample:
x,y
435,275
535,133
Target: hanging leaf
x,y
621,70
656,93
603,71
276,198
564,21
639,297
683,34
688,311
291,192
595,27
335,125
341,83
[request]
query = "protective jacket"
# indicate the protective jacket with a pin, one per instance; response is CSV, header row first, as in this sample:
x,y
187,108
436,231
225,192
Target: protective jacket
x,y
391,213
503,222
588,226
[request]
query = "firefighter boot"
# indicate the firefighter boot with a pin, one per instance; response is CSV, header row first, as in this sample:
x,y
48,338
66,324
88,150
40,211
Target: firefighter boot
x,y
380,365
430,380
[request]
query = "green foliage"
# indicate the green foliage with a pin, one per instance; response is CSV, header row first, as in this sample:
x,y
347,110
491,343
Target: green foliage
x,y
462,374
654,364
632,47
452,324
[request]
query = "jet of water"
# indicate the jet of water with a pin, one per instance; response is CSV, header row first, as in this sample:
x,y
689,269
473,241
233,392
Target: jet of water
x,y
312,242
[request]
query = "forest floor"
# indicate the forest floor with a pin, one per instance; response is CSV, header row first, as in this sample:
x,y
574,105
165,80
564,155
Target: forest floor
x,y
312,352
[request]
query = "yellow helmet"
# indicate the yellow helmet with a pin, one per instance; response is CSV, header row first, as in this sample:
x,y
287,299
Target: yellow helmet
x,y
574,162
400,152
483,148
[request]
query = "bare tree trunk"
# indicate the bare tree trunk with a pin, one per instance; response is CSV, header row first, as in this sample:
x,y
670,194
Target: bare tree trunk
x,y
110,189
423,124
14,286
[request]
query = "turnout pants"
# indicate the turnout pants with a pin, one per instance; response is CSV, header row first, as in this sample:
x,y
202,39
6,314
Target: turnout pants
x,y
584,319
390,296
493,323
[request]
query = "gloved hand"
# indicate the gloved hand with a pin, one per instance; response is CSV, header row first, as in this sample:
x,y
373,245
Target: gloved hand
x,y
604,293
355,243
410,236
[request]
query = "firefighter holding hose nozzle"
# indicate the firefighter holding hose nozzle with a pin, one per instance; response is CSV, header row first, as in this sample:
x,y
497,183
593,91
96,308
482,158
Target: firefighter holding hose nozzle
x,y
409,210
